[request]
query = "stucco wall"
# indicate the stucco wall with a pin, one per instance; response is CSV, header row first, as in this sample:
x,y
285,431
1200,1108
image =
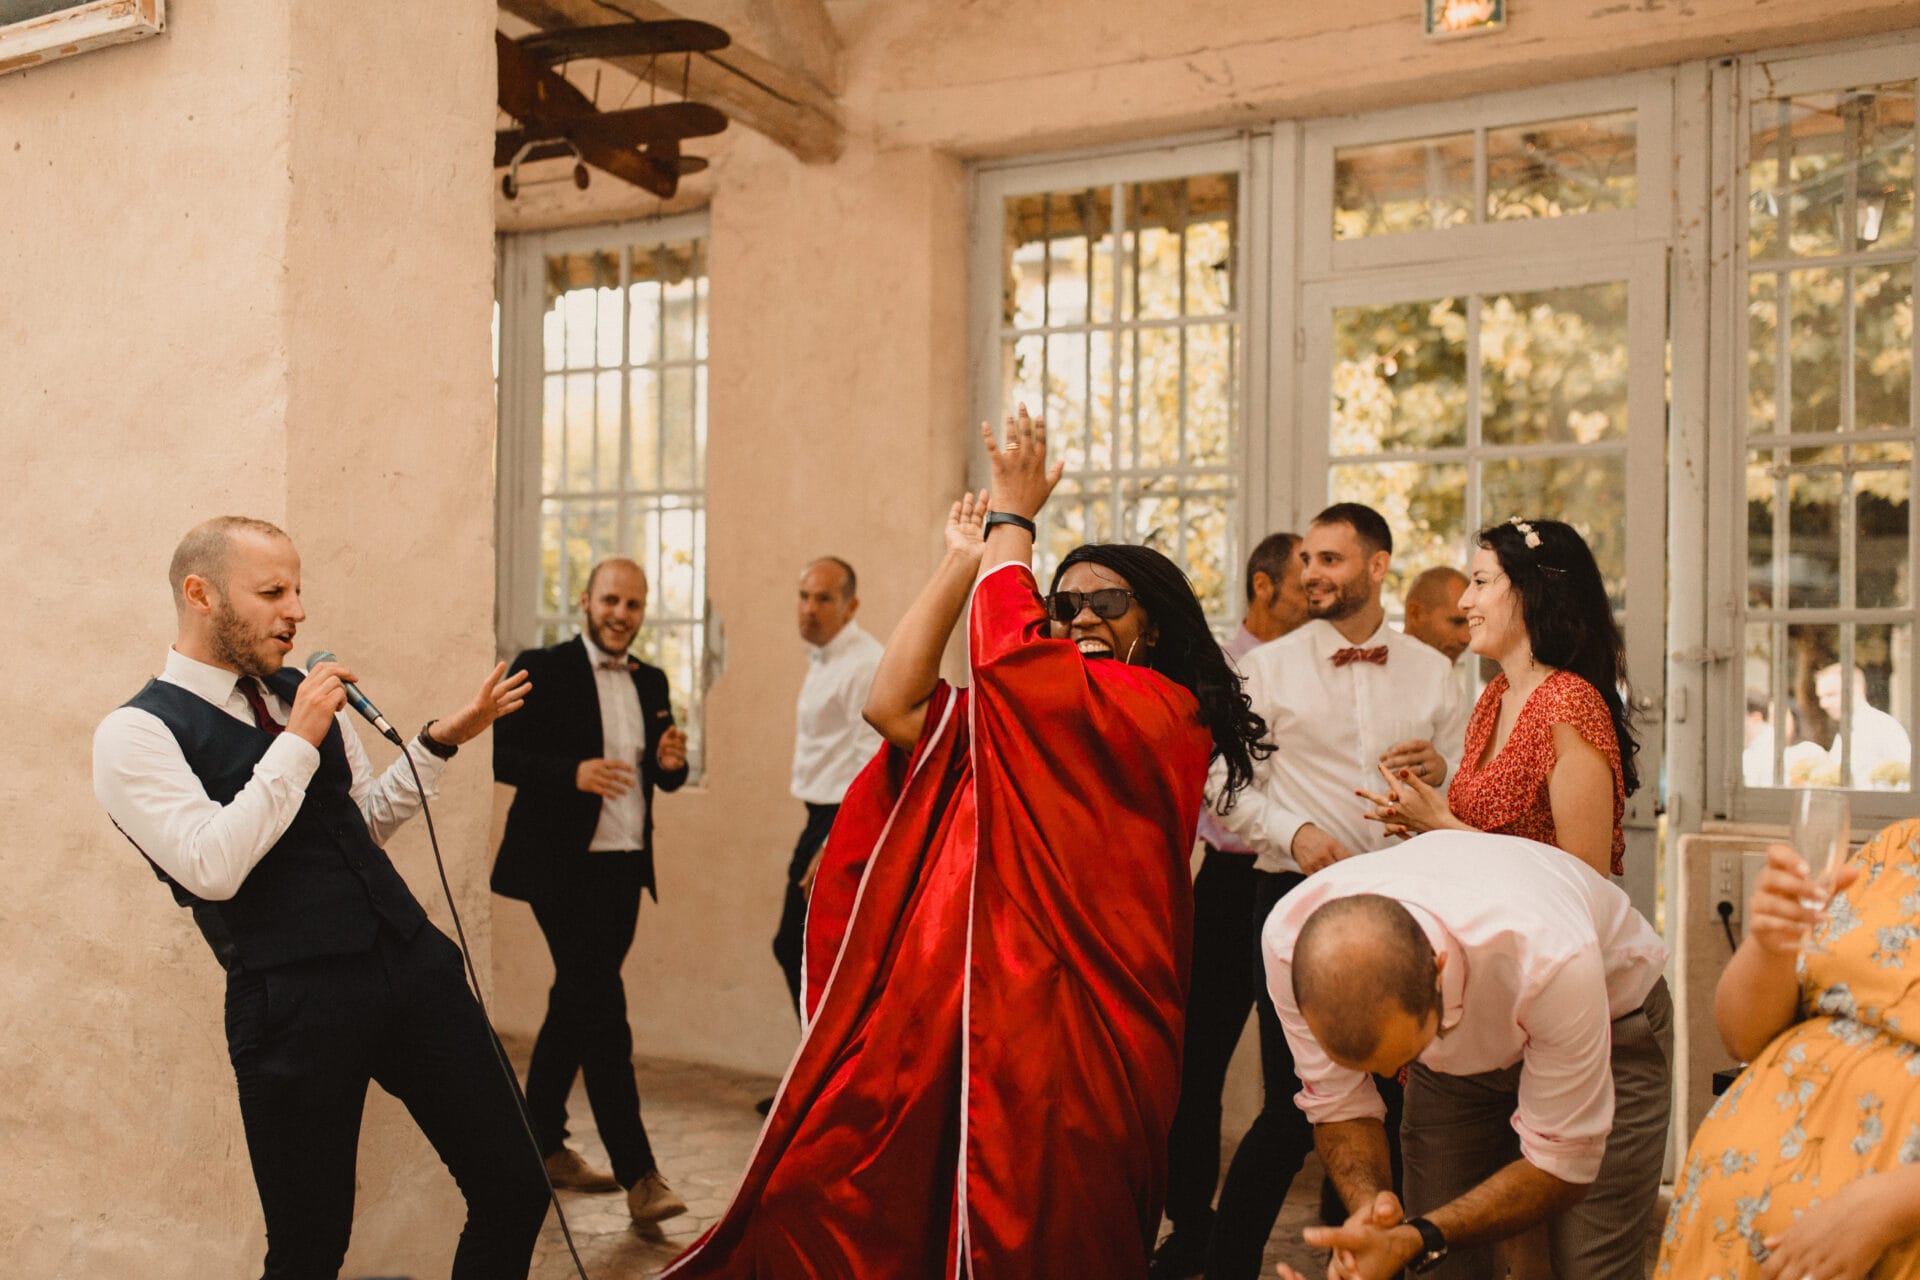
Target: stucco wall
x,y
247,267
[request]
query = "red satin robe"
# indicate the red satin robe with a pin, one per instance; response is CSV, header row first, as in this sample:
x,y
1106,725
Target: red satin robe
x,y
997,954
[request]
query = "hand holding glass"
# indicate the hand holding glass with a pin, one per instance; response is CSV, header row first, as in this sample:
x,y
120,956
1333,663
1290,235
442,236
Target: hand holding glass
x,y
1821,823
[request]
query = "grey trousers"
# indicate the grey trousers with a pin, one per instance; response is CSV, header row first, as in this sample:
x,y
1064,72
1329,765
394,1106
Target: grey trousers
x,y
1458,1131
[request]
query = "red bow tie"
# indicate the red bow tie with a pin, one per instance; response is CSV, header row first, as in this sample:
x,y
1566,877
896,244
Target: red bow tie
x,y
1345,657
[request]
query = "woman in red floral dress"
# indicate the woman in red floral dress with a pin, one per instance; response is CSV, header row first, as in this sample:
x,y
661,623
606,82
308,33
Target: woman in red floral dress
x,y
1549,751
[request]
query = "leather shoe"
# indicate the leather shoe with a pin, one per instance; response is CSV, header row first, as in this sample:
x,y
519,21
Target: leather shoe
x,y
568,1170
651,1199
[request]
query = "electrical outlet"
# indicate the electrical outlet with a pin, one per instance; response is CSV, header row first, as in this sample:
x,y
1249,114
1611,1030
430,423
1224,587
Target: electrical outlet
x,y
1726,879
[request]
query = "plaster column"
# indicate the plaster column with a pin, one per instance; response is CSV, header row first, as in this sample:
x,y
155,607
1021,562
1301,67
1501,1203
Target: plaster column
x,y
248,269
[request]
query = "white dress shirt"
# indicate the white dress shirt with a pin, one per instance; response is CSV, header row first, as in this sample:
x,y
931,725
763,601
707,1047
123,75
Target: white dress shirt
x,y
831,743
623,736
146,786
1542,953
1876,739
1330,726
1238,645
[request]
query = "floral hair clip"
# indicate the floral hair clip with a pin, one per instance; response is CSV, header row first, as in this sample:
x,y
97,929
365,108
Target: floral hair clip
x,y
1532,538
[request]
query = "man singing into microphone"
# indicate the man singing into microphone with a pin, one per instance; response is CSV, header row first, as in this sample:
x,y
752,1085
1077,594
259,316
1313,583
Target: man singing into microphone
x,y
241,781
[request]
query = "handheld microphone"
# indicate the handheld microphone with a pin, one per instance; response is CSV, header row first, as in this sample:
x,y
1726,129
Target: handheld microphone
x,y
358,700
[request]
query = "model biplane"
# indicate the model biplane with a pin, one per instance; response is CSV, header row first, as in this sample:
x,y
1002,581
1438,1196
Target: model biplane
x,y
640,145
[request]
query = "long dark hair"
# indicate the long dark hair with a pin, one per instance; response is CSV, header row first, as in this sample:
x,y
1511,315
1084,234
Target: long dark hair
x,y
1569,620
1186,654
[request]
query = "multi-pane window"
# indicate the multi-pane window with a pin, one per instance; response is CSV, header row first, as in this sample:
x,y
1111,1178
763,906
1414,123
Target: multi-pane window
x,y
1546,169
1829,251
1451,413
1119,318
622,447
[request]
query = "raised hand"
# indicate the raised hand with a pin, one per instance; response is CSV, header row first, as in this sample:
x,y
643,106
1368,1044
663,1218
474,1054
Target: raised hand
x,y
1022,477
500,694
966,526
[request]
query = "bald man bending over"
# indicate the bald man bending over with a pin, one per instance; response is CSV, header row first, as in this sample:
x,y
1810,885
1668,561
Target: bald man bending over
x,y
1523,993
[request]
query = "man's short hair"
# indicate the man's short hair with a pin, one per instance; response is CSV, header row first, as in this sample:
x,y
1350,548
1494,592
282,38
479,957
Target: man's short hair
x,y
1354,955
207,549
851,586
1425,589
1364,521
1271,558
612,560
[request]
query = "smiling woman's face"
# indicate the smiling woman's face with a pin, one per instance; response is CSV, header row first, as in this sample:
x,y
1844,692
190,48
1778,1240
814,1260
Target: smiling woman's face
x,y
1129,637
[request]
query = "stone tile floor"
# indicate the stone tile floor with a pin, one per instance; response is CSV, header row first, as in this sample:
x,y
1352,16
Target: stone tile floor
x,y
702,1124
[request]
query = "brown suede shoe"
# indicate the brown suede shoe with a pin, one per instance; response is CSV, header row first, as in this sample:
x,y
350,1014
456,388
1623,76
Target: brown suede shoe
x,y
568,1170
652,1200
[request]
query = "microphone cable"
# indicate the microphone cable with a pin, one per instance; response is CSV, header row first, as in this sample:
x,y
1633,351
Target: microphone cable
x,y
499,1053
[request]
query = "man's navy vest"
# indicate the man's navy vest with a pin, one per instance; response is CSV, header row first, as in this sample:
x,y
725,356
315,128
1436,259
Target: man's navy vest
x,y
325,887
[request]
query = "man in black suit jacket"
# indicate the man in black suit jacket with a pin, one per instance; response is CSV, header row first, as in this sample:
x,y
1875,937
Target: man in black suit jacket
x,y
594,741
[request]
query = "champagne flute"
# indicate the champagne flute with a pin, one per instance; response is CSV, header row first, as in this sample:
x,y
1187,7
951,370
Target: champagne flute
x,y
1821,825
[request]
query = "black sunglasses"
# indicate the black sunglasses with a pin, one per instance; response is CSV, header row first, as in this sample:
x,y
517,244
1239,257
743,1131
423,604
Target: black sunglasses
x,y
1108,603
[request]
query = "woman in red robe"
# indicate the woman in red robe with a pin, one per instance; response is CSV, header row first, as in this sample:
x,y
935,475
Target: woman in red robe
x,y
998,936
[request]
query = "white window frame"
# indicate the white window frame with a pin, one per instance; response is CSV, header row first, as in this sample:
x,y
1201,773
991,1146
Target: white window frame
x,y
1629,245
1648,94
1246,155
520,394
1736,84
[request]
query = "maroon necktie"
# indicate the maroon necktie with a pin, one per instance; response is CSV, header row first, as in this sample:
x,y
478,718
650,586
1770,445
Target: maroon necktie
x,y
1344,657
250,690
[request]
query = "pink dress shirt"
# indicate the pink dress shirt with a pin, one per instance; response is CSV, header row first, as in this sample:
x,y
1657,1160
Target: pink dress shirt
x,y
1541,955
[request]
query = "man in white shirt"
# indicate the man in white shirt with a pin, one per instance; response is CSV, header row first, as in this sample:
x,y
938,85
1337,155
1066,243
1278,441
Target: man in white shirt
x,y
1224,981
831,742
1876,742
1433,612
1523,993
244,785
1342,695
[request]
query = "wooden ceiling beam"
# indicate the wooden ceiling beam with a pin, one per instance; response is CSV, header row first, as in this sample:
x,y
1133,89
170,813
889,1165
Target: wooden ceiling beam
x,y
782,104
805,34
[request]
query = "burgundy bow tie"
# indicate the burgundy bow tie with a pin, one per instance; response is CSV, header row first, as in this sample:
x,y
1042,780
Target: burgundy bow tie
x,y
1347,656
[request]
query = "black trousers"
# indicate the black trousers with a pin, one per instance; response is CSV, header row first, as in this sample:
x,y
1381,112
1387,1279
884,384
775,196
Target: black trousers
x,y
588,912
790,940
306,1038
1221,993
1277,1143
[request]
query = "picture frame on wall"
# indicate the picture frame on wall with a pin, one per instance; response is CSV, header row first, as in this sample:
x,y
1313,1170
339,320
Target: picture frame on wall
x,y
1446,19
36,32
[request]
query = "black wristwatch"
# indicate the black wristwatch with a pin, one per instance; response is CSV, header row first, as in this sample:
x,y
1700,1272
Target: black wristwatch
x,y
435,747
1433,1245
1007,517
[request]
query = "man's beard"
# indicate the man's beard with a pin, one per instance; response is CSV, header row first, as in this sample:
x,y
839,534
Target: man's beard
x,y
1348,599
232,645
606,644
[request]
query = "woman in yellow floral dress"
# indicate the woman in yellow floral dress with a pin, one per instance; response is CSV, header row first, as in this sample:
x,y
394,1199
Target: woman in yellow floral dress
x,y
1809,1167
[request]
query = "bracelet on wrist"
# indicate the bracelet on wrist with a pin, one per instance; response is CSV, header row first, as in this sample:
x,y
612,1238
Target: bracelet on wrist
x,y
435,747
1007,517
